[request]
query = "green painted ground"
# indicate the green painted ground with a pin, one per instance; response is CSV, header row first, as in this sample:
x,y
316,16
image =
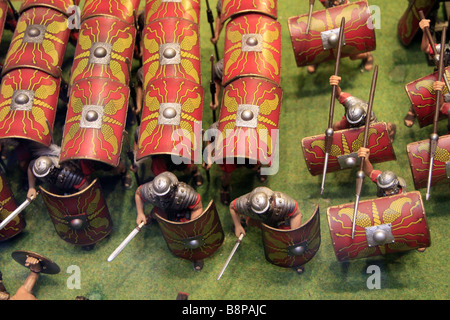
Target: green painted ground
x,y
147,270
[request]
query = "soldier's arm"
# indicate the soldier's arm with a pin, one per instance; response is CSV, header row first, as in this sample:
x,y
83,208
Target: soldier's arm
x,y
368,167
139,208
238,229
425,45
296,219
35,269
197,209
31,183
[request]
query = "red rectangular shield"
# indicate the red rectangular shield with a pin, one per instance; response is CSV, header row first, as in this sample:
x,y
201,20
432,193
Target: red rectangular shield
x,y
346,144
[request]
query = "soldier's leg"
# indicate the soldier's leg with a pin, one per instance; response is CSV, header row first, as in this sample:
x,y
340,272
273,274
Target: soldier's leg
x,y
312,68
367,60
4,295
410,117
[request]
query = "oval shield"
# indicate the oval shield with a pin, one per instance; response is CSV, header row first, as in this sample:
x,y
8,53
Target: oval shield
x,y
292,248
195,239
81,218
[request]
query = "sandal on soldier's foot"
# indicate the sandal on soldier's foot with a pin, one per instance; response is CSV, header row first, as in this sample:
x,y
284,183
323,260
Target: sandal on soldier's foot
x,y
367,63
421,249
312,68
198,265
409,118
261,178
225,197
198,178
299,270
392,129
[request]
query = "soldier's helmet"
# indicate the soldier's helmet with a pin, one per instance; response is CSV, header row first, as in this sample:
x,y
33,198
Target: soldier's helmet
x,y
356,113
163,183
259,202
42,166
388,180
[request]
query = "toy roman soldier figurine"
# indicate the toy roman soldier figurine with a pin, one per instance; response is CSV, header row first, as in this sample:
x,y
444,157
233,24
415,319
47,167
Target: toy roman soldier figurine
x,y
355,111
388,183
287,243
275,209
176,200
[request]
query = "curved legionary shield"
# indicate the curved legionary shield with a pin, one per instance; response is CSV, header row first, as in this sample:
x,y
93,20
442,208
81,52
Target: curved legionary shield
x,y
419,160
195,239
423,98
171,49
248,122
292,248
383,225
320,44
161,9
344,150
28,103
105,49
252,48
81,218
172,120
233,8
124,10
39,41
3,15
95,121
7,206
408,24
59,5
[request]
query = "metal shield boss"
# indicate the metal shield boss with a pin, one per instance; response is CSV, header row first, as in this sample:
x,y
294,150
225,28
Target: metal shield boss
x,y
81,218
293,247
320,44
383,225
195,239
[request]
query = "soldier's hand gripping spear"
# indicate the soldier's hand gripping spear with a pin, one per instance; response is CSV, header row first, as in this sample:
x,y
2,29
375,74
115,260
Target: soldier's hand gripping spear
x,y
329,132
238,242
360,174
436,55
311,8
211,24
18,210
434,137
